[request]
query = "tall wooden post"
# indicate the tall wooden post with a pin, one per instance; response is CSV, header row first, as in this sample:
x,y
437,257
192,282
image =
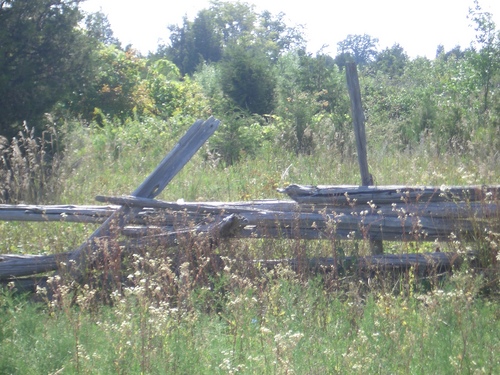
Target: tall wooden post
x,y
358,119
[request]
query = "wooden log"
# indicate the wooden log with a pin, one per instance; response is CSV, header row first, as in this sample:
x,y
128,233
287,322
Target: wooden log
x,y
19,265
228,227
13,266
443,221
176,215
170,213
398,222
433,261
26,284
352,194
182,152
350,224
317,226
65,213
268,205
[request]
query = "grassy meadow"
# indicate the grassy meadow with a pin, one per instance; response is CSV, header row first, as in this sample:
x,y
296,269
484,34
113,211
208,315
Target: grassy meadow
x,y
235,316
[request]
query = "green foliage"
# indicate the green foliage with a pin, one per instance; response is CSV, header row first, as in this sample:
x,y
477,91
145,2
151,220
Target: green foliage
x,y
44,54
391,61
129,87
273,323
247,78
486,61
246,65
234,314
172,96
223,25
429,122
241,136
117,90
361,49
98,28
309,90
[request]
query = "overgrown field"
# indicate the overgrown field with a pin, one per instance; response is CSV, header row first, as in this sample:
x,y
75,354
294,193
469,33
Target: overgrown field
x,y
235,316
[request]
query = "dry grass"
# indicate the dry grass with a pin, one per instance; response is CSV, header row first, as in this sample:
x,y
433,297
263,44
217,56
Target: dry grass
x,y
29,167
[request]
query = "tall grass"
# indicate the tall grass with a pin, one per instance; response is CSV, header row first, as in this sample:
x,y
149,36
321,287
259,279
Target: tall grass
x,y
29,167
273,323
199,309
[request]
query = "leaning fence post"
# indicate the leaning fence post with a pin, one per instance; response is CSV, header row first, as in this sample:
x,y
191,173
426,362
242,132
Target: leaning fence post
x,y
358,119
153,185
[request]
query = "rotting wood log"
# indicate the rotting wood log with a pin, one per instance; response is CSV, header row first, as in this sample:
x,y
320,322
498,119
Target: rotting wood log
x,y
13,266
440,209
420,221
444,222
25,284
433,263
422,262
272,218
358,117
229,227
62,213
352,194
403,221
168,213
288,219
206,207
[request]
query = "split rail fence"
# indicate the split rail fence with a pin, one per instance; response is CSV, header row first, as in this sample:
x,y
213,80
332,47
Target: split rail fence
x,y
371,213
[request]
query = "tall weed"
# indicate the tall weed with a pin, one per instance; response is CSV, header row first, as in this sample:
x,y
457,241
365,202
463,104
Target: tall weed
x,y
30,167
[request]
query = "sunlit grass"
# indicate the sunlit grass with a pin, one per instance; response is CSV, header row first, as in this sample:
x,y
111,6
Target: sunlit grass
x,y
233,316
276,323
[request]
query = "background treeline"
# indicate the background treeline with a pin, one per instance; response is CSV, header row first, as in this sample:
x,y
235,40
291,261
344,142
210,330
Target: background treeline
x,y
249,69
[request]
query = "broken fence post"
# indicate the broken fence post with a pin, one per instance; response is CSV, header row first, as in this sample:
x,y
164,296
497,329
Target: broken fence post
x,y
153,185
358,118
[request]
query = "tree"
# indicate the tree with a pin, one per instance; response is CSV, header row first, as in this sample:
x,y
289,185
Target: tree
x,y
360,49
116,88
276,36
98,28
183,50
42,55
171,95
391,61
486,59
204,39
248,79
455,53
312,100
223,25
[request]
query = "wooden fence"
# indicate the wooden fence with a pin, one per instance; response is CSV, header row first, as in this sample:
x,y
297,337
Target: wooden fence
x,y
372,213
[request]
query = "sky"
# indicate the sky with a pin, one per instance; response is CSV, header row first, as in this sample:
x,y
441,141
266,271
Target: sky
x,y
418,26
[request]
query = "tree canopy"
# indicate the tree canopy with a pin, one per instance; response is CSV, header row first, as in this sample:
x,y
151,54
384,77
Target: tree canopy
x,y
225,24
249,68
42,56
361,49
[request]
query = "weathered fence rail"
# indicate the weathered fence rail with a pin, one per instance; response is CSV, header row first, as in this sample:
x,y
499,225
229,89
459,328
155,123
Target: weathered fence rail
x,y
371,213
160,210
160,223
62,213
348,194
